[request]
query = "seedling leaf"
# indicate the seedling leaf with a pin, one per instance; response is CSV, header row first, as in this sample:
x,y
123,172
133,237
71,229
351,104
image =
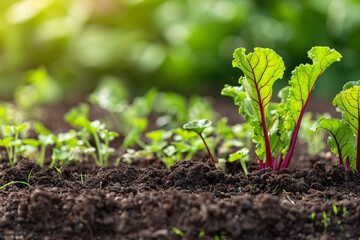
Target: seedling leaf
x,y
197,126
341,137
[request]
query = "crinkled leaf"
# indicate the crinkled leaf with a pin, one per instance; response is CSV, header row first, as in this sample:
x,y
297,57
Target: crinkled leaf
x,y
349,103
341,139
303,82
261,69
197,126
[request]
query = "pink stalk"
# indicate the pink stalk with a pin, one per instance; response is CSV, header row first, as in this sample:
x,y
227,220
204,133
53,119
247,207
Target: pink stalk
x,y
288,156
347,164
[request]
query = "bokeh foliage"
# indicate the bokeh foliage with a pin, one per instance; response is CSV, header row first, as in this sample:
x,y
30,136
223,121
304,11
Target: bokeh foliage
x,y
182,45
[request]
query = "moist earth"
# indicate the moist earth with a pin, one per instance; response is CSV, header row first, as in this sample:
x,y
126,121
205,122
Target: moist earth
x,y
195,197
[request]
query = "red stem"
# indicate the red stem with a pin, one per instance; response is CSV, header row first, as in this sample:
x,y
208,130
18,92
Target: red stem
x,y
358,146
339,150
288,156
211,157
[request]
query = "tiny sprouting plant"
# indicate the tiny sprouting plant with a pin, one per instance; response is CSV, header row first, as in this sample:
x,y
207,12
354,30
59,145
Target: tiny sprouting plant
x,y
27,183
325,220
344,136
178,232
312,216
199,126
201,234
81,178
344,211
241,155
11,141
335,209
58,170
275,126
78,117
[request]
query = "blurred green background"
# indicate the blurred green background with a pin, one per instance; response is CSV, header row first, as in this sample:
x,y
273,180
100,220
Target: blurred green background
x,y
180,45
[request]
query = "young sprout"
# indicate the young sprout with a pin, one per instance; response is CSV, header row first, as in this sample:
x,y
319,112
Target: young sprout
x,y
325,220
199,126
43,141
178,232
335,209
58,170
344,211
11,140
241,155
81,178
78,117
313,216
201,234
22,182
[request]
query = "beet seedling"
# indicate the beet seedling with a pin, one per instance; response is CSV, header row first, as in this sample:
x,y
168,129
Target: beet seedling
x,y
275,126
344,134
199,126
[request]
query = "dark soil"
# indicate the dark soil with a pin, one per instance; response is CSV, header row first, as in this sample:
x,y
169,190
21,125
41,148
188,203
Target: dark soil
x,y
146,201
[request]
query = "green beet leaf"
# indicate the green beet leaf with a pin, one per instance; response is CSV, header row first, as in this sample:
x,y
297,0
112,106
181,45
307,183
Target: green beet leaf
x,y
348,101
303,82
275,126
341,139
198,126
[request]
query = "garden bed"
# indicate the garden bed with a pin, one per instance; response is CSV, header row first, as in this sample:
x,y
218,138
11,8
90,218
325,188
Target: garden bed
x,y
314,199
195,197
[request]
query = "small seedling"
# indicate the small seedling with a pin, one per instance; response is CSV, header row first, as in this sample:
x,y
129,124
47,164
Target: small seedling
x,y
344,136
325,220
100,184
199,126
335,209
312,216
241,155
11,140
81,178
58,170
178,232
21,182
341,227
201,234
344,211
78,117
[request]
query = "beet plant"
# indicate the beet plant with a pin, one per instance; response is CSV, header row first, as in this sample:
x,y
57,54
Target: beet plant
x,y
199,126
344,136
275,126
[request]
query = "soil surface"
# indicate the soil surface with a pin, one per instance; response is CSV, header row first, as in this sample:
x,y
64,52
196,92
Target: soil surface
x,y
314,199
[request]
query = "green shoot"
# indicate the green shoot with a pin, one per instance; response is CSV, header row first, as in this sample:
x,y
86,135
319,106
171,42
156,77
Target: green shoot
x,y
14,182
241,155
21,182
178,232
198,126
78,117
81,178
201,234
325,220
11,140
312,216
344,211
100,185
58,170
335,209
